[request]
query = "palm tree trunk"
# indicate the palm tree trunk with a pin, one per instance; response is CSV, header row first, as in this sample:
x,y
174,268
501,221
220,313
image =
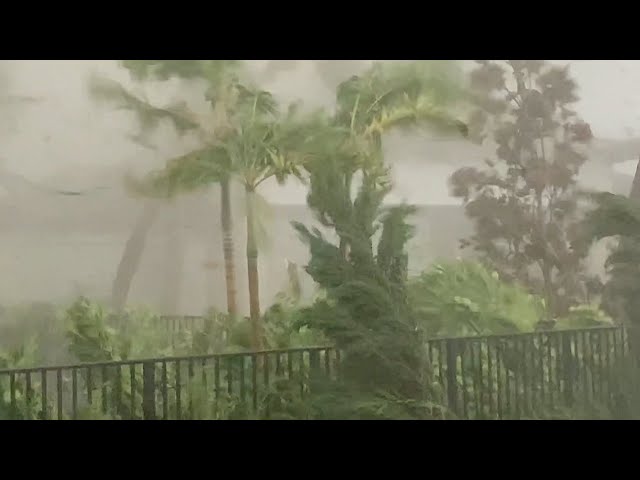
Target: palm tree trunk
x,y
252,271
228,246
132,255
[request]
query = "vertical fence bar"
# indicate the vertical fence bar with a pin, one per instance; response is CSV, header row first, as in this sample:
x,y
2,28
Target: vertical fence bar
x,y
132,378
452,376
216,377
504,350
254,381
149,391
442,360
118,390
178,390
89,386
229,363
585,368
74,393
289,365
243,389
499,389
314,366
301,373
29,391
165,391
279,365
190,386
541,350
463,376
12,395
526,385
492,409
567,368
104,378
43,388
517,380
266,370
327,362
59,392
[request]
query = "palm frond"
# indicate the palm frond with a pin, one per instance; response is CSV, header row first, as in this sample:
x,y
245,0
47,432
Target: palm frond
x,y
424,111
106,90
419,91
186,173
254,104
164,69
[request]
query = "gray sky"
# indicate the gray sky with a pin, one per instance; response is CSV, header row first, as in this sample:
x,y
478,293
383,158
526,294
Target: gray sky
x,y
68,136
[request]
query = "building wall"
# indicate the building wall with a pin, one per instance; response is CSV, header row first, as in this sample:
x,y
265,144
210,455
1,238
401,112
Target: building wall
x,y
58,267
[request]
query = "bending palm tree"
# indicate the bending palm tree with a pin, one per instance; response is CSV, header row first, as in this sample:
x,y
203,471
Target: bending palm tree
x,y
222,83
263,144
384,97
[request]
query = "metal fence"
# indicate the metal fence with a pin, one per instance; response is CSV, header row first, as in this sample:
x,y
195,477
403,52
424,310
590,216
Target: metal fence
x,y
529,375
203,387
496,377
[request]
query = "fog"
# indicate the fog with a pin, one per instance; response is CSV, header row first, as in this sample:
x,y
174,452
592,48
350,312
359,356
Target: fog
x,y
65,215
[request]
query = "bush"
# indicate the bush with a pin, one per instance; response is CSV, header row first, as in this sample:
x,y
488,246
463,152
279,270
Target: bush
x,y
465,298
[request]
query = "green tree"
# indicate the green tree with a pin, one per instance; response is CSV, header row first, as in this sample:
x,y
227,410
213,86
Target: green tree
x,y
386,96
262,143
618,216
222,91
524,202
366,312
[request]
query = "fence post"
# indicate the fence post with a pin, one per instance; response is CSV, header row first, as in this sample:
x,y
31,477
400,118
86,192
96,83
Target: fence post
x,y
567,367
452,376
148,391
314,367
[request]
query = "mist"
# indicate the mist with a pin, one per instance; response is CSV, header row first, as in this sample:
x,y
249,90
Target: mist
x,y
66,216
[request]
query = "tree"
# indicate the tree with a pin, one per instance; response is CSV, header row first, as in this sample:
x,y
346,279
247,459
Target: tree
x,y
386,96
221,78
262,143
524,202
618,216
366,312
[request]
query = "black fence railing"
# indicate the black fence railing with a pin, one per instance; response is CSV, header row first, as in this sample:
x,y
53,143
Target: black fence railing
x,y
203,387
529,375
497,377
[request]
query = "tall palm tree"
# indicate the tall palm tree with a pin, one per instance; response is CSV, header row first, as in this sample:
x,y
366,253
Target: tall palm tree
x,y
384,97
222,87
263,143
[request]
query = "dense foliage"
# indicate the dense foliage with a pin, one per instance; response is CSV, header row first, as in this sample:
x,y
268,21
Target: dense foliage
x,y
524,203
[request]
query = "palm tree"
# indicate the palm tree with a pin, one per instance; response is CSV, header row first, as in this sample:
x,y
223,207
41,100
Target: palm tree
x,y
221,77
262,144
387,96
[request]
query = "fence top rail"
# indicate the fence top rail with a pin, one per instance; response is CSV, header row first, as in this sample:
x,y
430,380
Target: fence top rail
x,y
194,358
526,334
160,360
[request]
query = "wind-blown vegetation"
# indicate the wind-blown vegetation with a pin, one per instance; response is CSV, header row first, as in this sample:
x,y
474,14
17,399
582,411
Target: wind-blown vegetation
x,y
531,237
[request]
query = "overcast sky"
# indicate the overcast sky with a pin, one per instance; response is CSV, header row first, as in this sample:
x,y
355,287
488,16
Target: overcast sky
x,y
66,132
